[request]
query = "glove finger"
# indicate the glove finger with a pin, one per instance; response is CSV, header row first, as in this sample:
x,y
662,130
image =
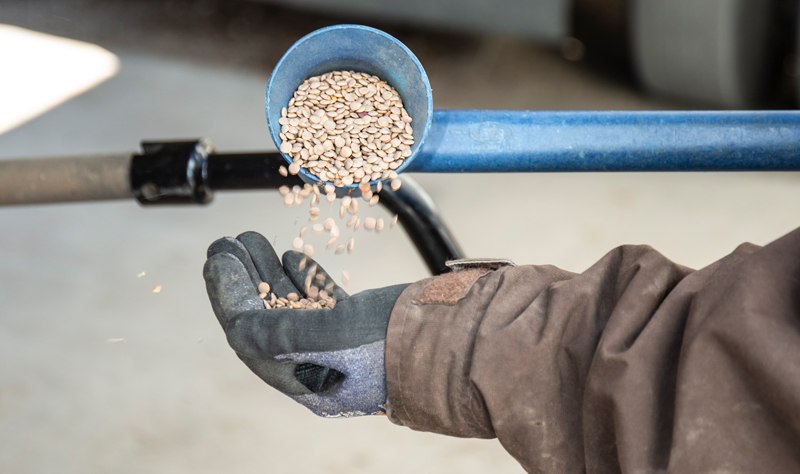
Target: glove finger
x,y
267,263
268,333
237,249
292,261
230,288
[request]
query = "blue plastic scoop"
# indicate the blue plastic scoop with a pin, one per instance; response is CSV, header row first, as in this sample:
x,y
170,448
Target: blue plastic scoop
x,y
352,48
520,141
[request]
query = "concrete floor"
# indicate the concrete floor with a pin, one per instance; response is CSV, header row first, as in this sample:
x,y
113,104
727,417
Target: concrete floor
x,y
172,397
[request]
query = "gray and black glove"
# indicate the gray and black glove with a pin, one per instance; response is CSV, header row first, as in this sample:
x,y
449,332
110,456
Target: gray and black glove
x,y
329,360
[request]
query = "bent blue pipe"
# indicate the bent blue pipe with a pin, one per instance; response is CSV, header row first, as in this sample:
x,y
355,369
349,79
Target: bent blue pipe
x,y
496,141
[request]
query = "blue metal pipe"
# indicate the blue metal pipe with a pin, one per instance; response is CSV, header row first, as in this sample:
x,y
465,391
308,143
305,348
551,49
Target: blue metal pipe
x,y
486,141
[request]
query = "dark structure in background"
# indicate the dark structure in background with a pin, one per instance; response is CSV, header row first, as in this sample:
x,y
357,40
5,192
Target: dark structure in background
x,y
736,54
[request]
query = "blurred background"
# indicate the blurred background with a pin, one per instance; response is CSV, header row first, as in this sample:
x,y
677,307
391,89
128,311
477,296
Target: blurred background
x,y
101,374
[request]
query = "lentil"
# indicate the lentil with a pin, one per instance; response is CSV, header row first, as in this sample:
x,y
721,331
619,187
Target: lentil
x,y
334,119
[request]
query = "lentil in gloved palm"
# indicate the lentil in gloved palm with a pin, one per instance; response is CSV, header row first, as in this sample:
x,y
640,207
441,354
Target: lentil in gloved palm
x,y
329,360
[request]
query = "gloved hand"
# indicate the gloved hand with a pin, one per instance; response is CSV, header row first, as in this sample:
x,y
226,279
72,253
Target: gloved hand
x,y
329,360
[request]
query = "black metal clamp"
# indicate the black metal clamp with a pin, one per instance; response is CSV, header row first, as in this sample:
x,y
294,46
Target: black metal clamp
x,y
189,172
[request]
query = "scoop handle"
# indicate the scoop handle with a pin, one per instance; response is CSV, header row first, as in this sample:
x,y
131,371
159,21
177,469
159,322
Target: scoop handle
x,y
79,178
502,141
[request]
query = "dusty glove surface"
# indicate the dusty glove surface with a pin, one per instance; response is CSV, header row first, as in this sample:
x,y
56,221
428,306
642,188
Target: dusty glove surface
x,y
329,360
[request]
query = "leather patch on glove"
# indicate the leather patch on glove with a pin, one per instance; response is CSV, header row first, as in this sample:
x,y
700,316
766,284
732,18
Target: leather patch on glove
x,y
449,288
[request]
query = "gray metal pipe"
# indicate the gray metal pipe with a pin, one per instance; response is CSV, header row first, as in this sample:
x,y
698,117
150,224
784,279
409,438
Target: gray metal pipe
x,y
70,179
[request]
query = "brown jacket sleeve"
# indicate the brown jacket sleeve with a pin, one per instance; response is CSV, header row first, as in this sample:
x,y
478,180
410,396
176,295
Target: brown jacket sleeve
x,y
636,365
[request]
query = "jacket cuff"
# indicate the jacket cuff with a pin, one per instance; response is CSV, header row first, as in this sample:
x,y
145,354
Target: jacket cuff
x,y
433,326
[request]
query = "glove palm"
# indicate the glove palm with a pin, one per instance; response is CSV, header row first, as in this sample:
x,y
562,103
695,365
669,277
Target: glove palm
x,y
329,360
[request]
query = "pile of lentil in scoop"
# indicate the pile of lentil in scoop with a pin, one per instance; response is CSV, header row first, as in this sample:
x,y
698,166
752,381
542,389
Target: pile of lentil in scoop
x,y
346,127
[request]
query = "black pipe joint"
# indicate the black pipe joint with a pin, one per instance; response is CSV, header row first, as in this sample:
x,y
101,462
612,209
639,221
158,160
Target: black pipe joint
x,y
172,172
